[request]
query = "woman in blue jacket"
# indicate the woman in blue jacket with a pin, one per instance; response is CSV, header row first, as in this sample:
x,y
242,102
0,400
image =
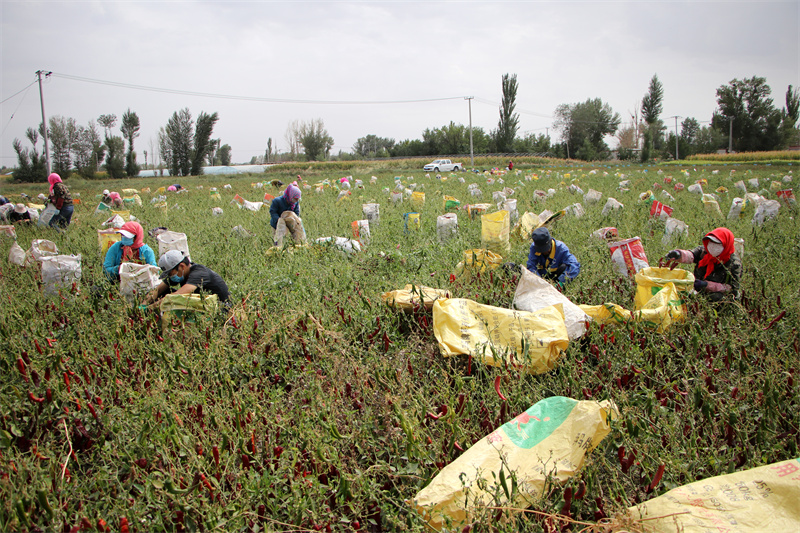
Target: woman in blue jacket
x,y
551,259
130,249
289,201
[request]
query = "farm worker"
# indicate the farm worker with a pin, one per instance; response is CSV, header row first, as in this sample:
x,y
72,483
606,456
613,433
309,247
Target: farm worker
x,y
129,249
288,201
177,187
19,214
551,259
510,166
717,267
176,269
61,199
115,199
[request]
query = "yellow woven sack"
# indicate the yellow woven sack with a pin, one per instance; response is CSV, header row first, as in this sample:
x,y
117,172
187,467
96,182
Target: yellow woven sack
x,y
107,237
662,310
478,260
412,297
187,307
495,228
450,203
650,280
161,190
417,199
760,499
546,443
130,192
607,313
526,224
124,214
496,336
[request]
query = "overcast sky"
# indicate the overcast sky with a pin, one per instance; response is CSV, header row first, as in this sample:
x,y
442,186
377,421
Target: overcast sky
x,y
309,54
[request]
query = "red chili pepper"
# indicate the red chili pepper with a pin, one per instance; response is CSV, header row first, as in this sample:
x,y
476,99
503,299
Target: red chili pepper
x,y
774,320
49,395
215,452
50,342
38,348
34,398
497,388
66,382
22,370
386,342
656,478
123,525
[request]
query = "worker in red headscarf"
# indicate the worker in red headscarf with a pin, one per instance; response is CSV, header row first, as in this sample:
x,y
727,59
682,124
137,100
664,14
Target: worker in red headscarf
x,y
717,268
129,249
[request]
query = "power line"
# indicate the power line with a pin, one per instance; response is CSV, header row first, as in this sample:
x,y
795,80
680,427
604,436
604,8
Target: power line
x,y
16,93
249,98
18,105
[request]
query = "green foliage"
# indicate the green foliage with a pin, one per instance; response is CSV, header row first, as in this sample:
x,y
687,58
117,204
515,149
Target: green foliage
x,y
372,146
225,155
316,398
175,142
315,139
756,122
115,162
62,134
508,125
591,120
31,166
130,130
201,144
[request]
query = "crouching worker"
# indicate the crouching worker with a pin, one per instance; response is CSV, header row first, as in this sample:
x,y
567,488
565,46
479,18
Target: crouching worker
x,y
129,249
717,268
551,259
178,271
288,202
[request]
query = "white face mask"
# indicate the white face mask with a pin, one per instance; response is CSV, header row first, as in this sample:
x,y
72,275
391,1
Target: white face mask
x,y
715,248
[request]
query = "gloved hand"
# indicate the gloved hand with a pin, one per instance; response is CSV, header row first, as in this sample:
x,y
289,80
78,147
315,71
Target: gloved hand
x,y
560,270
674,255
700,284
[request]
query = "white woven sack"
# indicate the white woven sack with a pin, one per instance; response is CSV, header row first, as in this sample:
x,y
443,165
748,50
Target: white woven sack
x,y
446,226
135,280
172,240
534,293
16,255
40,248
59,272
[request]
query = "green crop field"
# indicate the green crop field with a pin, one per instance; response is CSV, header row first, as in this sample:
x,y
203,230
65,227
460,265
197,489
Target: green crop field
x,y
316,407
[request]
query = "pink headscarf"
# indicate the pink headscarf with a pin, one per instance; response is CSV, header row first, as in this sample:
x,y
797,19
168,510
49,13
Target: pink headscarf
x,y
138,233
292,194
53,179
114,196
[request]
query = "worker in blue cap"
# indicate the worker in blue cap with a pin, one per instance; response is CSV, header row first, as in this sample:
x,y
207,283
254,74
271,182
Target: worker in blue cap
x,y
551,259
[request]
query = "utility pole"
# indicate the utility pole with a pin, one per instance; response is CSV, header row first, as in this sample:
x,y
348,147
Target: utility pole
x,y
471,154
730,135
676,136
44,119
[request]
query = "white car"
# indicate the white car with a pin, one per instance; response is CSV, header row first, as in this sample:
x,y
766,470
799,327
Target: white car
x,y
443,165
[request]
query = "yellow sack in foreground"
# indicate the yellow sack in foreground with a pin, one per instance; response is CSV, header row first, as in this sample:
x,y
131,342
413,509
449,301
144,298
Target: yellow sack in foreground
x,y
662,310
495,229
534,340
527,223
187,307
411,297
650,280
551,438
607,313
766,498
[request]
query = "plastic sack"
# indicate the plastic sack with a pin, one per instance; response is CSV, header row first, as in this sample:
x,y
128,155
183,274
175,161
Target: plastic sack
x,y
753,183
130,192
102,208
628,256
736,209
40,248
787,197
526,224
592,197
16,255
662,310
606,233
115,221
418,199
397,198
650,280
476,210
476,192
446,226
47,215
344,244
105,238
252,206
660,211
8,231
711,206
695,188
124,215
667,196
411,222
546,443
450,203
534,293
187,307
495,228
289,224
412,297
607,313
59,272
531,340
172,240
478,260
673,228
509,205
766,210
575,210
759,499
361,231
612,204
217,211
372,212
135,280
741,186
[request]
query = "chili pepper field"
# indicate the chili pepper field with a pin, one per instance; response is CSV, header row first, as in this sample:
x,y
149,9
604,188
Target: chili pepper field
x,y
314,406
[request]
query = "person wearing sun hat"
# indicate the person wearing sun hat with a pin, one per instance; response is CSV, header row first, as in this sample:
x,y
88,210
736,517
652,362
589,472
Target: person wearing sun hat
x,y
551,259
178,270
718,268
19,214
129,249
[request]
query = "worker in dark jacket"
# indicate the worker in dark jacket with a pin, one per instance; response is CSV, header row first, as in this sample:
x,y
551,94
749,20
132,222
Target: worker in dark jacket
x,y
551,259
289,201
717,268
190,277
